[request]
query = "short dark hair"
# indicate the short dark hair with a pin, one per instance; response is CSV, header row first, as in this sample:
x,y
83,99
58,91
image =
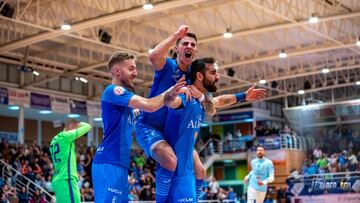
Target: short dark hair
x,y
199,65
189,34
118,57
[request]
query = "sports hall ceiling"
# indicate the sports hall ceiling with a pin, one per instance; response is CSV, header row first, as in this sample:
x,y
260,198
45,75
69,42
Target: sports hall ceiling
x,y
260,29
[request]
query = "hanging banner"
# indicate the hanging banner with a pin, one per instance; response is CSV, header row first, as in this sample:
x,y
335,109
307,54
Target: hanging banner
x,y
78,107
93,108
9,137
60,105
40,101
19,97
4,96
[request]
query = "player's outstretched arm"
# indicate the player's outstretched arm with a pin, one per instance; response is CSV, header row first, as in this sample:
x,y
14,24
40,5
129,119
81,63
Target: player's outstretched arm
x,y
251,94
81,130
157,57
155,103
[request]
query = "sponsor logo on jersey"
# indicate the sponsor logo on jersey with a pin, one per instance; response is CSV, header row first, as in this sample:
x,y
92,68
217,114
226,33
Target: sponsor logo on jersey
x,y
195,123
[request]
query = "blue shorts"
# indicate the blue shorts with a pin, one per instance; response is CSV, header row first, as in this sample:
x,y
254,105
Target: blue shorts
x,y
110,183
147,137
183,189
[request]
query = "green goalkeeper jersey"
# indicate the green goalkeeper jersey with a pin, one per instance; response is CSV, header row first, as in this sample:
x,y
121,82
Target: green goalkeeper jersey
x,y
63,153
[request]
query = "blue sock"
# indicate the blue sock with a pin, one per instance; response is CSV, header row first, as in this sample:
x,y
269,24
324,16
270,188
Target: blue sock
x,y
163,183
199,183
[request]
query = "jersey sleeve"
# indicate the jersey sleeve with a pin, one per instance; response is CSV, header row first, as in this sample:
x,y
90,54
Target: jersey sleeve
x,y
166,67
271,168
117,95
76,133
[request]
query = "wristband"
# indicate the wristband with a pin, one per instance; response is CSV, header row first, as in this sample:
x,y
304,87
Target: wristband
x,y
201,99
240,96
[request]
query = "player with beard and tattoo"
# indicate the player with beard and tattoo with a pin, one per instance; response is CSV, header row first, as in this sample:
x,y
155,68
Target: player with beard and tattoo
x,y
150,128
183,124
112,159
261,174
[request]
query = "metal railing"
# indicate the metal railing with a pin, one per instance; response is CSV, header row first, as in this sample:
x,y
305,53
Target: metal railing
x,y
16,179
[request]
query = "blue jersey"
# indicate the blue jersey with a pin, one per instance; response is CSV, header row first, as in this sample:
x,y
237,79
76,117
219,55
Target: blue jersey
x,y
118,124
163,80
260,170
182,128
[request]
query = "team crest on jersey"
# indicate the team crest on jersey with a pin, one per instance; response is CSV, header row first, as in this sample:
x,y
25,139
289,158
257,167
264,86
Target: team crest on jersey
x,y
118,90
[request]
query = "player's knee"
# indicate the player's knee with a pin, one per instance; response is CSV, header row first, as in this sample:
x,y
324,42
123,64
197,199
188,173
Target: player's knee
x,y
200,171
170,162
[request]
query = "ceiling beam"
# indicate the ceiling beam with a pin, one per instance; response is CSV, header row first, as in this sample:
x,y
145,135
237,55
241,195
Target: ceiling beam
x,y
278,26
305,26
109,18
291,76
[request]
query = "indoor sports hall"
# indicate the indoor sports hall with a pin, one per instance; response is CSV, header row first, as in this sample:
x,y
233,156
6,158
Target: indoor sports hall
x,y
55,68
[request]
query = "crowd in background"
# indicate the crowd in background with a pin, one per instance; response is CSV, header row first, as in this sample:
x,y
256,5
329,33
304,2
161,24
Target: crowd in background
x,y
34,162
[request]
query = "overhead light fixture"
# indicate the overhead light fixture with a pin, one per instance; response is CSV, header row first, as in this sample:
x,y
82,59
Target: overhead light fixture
x,y
45,112
98,119
73,115
148,6
357,82
151,50
65,26
13,108
228,33
313,19
76,78
301,91
325,70
36,73
262,82
358,42
83,80
283,54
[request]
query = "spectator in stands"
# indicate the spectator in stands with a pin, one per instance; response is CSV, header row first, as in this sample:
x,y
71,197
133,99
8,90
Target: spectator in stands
x,y
238,133
317,153
204,194
231,195
23,196
37,198
353,162
213,188
140,159
322,164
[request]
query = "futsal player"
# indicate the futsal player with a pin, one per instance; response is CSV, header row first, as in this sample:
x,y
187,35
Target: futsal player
x,y
112,158
261,174
63,155
150,128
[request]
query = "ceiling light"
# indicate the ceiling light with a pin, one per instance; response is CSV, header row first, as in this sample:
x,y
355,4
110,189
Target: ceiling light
x,y
262,82
98,119
301,92
148,6
45,112
358,42
151,50
14,108
83,80
283,54
36,73
357,82
313,18
66,26
227,34
325,70
73,115
76,78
